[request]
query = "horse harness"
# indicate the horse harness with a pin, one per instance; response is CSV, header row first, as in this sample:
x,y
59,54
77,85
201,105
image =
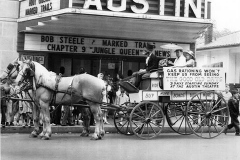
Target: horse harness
x,y
34,85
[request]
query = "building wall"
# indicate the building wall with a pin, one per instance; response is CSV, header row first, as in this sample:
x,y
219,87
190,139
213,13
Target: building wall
x,y
9,10
228,58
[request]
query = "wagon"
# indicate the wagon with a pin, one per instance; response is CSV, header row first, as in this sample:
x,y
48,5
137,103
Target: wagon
x,y
187,98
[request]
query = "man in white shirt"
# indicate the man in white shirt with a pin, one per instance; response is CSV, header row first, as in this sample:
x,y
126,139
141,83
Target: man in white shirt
x,y
226,96
180,60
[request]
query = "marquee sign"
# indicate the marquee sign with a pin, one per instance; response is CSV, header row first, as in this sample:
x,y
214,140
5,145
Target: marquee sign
x,y
34,7
175,8
194,78
72,44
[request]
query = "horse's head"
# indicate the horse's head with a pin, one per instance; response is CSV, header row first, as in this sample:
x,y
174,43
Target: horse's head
x,y
26,71
10,72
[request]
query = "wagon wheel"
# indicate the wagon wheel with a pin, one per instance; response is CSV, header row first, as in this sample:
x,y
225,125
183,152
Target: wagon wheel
x,y
121,121
176,118
147,120
207,116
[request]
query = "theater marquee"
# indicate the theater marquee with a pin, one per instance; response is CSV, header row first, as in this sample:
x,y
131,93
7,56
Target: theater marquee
x,y
74,44
142,8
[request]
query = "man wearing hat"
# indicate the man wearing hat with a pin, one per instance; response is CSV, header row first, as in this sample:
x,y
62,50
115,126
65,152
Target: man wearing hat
x,y
151,60
180,61
151,63
233,105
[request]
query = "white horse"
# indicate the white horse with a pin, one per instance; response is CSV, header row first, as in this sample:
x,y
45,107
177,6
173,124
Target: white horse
x,y
49,89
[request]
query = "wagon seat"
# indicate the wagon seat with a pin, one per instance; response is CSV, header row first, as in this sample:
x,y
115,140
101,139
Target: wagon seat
x,y
154,74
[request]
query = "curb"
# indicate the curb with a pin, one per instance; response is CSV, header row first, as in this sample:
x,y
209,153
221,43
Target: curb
x,y
66,129
74,129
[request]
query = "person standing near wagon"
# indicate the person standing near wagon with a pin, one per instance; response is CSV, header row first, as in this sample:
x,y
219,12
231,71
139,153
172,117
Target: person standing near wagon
x,y
233,104
226,96
3,108
105,98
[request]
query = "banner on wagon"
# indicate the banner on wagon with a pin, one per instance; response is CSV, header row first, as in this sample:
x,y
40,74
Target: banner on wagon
x,y
194,78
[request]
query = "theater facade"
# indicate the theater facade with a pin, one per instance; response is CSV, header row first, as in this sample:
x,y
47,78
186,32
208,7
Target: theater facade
x,y
106,36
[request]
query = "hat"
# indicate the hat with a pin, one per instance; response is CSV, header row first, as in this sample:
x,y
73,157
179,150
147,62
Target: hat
x,y
150,46
178,50
189,52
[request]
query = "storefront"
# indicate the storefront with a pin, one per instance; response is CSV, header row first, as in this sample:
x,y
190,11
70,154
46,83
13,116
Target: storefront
x,y
106,36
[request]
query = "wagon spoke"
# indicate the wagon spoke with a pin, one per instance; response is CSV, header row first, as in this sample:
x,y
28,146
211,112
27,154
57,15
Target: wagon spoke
x,y
152,128
215,105
142,128
147,130
209,129
141,112
137,126
139,116
219,109
122,124
201,102
200,125
214,124
150,113
155,113
180,125
177,120
146,109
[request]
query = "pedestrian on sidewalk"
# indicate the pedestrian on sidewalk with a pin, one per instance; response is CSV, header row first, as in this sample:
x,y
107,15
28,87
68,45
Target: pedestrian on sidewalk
x,y
233,105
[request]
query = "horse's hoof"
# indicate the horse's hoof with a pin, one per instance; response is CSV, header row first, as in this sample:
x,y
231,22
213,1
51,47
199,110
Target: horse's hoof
x,y
84,134
33,136
102,134
40,136
94,138
45,138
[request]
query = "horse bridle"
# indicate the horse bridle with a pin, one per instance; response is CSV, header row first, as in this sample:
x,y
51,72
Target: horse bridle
x,y
27,75
10,71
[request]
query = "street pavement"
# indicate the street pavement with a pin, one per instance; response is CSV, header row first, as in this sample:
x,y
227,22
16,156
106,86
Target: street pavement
x,y
109,128
167,146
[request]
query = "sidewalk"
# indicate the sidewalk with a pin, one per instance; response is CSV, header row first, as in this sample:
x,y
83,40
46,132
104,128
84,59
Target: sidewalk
x,y
109,128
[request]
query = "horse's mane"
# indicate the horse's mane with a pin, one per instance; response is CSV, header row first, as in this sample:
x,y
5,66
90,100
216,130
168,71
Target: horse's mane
x,y
47,77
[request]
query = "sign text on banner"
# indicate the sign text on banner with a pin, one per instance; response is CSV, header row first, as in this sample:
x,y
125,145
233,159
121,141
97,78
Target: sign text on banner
x,y
194,79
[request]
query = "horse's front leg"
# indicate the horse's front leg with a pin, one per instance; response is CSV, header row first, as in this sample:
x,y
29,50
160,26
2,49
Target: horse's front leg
x,y
36,118
47,131
97,113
